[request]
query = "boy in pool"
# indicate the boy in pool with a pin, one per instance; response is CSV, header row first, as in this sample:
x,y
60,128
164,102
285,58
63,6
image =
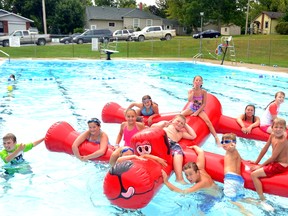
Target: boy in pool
x,y
13,152
278,162
176,130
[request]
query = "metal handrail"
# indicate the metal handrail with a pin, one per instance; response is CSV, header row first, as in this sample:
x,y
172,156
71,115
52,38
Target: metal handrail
x,y
5,54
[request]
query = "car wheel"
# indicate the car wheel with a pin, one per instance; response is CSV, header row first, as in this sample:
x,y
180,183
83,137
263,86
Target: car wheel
x,y
41,42
216,36
6,43
168,37
141,38
129,38
66,42
80,41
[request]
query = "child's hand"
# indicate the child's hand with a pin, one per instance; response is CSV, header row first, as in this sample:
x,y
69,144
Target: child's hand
x,y
164,175
162,162
253,168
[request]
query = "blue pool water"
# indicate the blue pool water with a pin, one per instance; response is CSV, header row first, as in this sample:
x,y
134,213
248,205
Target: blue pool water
x,y
49,91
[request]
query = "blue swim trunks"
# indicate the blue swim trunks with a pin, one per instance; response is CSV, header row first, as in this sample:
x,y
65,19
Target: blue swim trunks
x,y
233,186
175,148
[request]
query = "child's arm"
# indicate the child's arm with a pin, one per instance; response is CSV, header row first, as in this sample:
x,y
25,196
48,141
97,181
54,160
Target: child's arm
x,y
158,159
139,105
120,134
190,134
161,124
172,187
35,143
255,124
190,94
80,139
262,153
200,156
15,153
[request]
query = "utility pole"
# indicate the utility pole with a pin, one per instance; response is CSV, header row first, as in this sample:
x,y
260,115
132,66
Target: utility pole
x,y
247,17
44,17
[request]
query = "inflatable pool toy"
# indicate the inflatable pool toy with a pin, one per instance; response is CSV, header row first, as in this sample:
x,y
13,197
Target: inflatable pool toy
x,y
60,137
132,184
10,88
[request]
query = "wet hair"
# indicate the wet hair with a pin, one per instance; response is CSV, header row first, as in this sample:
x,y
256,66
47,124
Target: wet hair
x,y
181,116
145,97
279,121
279,92
253,116
12,76
94,120
199,77
230,136
130,110
191,165
10,136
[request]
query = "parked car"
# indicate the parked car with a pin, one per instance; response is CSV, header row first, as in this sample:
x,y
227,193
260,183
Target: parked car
x,y
153,32
86,37
124,34
68,39
207,34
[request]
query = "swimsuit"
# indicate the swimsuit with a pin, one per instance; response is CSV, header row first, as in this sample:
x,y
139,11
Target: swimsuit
x,y
196,103
97,141
128,135
145,113
274,168
175,148
19,157
266,118
233,186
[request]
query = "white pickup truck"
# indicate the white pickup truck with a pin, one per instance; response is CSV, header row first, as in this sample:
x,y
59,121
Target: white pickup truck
x,y
153,32
26,37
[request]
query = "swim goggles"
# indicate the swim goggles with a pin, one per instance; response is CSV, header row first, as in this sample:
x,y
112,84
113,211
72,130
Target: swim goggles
x,y
95,120
227,141
126,149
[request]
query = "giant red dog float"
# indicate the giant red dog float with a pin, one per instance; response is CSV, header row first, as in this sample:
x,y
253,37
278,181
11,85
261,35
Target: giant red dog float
x,y
133,183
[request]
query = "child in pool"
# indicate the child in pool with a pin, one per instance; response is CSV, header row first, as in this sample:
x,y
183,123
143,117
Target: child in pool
x,y
271,112
248,117
198,96
129,128
146,108
176,130
13,152
278,162
93,134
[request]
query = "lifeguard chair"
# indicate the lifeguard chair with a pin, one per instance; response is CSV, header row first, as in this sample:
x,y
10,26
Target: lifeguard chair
x,y
226,45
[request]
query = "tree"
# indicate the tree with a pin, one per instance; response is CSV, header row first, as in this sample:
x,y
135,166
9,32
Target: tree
x,y
108,3
125,3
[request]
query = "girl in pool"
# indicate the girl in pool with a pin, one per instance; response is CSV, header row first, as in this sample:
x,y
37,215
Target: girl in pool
x,y
248,116
129,128
146,108
198,96
271,112
93,134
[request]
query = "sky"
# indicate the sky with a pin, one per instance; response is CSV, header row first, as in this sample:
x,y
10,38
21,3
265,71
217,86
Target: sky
x,y
147,2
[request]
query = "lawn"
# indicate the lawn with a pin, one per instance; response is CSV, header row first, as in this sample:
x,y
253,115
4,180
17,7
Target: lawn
x,y
256,49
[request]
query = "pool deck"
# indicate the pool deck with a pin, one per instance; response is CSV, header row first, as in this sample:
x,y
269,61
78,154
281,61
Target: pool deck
x,y
216,62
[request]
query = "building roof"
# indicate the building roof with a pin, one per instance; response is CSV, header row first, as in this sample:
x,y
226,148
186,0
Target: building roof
x,y
113,13
4,14
273,15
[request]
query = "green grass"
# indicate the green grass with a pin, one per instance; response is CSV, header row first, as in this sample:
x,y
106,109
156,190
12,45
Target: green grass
x,y
255,49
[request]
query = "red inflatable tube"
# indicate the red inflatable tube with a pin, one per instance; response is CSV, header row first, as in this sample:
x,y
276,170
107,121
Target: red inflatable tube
x,y
60,137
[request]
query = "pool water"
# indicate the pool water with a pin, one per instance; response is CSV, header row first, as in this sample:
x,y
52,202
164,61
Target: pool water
x,y
73,91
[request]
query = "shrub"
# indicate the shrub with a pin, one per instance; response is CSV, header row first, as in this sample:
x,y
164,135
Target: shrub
x,y
282,28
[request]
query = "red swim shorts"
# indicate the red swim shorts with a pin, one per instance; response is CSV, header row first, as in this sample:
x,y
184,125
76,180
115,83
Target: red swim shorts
x,y
274,168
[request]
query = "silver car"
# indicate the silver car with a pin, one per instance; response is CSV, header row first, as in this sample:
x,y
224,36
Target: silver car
x,y
124,34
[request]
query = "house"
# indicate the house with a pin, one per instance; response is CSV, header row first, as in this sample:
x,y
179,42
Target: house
x,y
120,18
10,22
266,22
230,29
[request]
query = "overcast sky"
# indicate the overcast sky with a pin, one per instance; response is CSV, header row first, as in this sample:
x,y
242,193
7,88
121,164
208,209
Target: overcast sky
x,y
147,2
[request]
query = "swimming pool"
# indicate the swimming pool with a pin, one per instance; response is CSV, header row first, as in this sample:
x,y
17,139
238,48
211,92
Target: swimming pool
x,y
49,91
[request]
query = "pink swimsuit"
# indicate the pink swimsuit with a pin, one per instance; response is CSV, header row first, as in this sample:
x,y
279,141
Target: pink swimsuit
x,y
128,135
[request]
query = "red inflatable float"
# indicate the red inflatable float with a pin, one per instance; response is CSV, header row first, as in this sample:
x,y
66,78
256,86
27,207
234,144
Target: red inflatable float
x,y
132,184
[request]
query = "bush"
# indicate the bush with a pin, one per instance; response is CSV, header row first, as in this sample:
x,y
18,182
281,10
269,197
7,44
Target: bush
x,y
78,30
282,28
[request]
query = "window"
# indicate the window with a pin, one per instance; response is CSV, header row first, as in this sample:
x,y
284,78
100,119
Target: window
x,y
136,23
111,24
225,29
1,27
149,22
157,28
266,24
93,27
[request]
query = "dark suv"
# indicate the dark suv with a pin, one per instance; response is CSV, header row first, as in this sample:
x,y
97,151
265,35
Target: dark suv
x,y
103,35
